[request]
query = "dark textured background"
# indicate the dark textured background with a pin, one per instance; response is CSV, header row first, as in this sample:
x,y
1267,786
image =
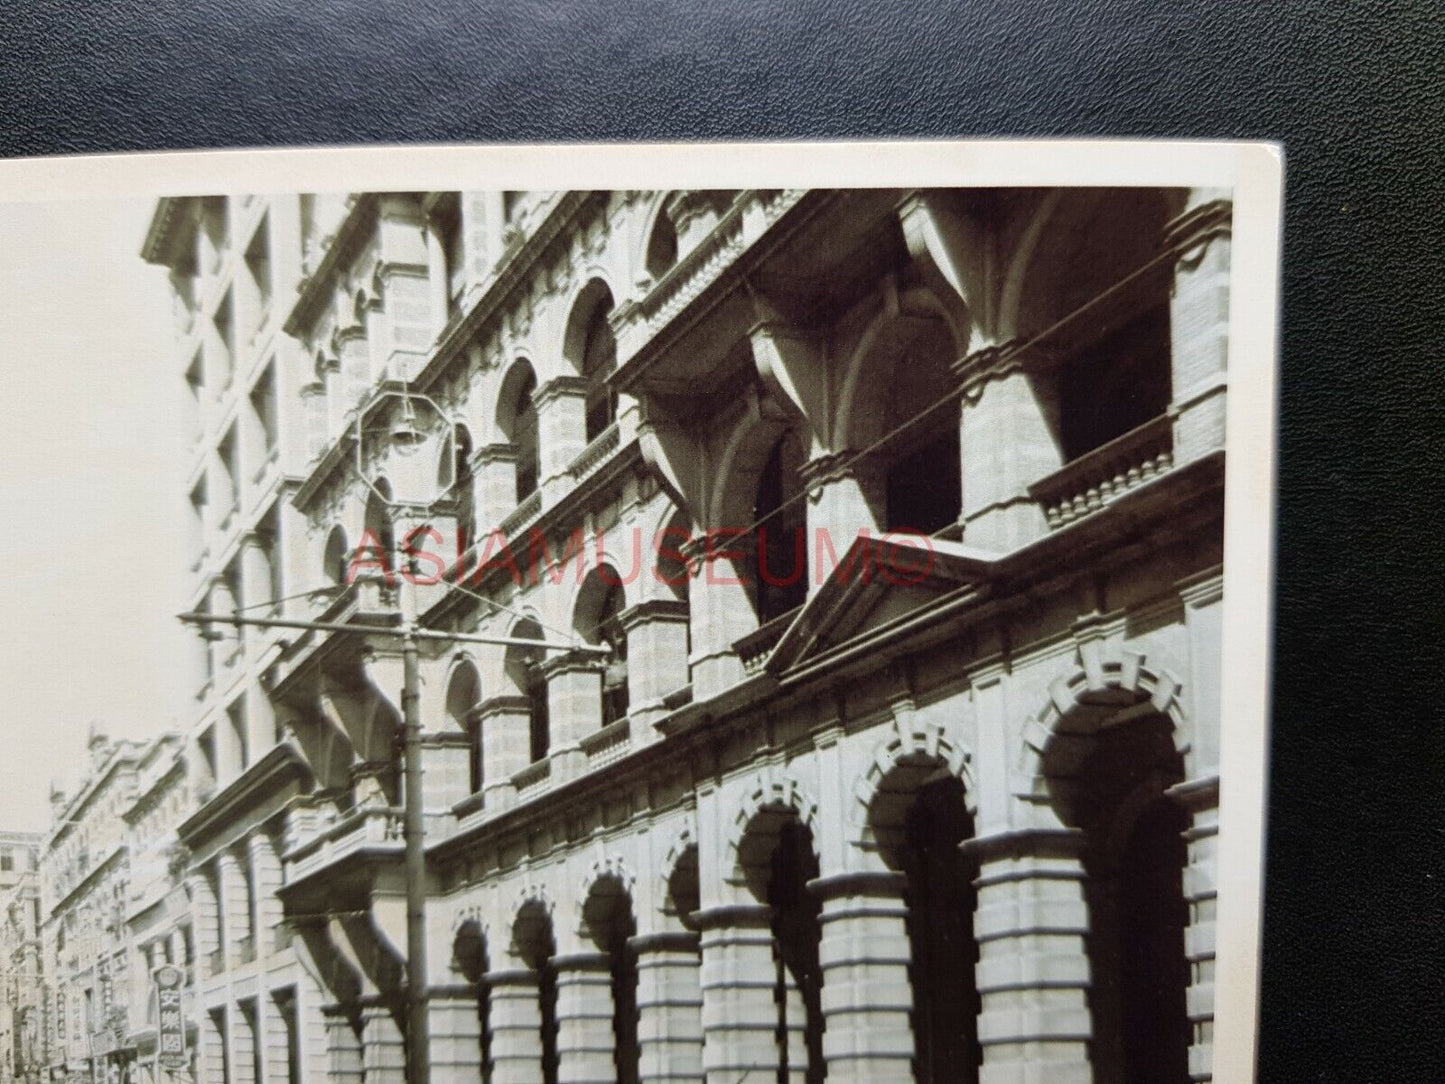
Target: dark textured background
x,y
1354,976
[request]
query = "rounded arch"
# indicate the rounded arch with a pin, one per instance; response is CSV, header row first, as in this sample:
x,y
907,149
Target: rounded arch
x,y
653,212
607,886
889,337
743,457
601,595
770,801
469,949
464,689
335,555
594,290
680,855
668,576
530,924
514,395
1099,678
909,759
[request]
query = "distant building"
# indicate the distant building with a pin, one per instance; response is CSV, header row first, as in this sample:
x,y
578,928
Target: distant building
x,y
22,1009
940,807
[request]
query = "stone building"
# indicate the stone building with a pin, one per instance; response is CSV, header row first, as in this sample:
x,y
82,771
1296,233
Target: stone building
x,y
84,884
158,913
21,1038
899,516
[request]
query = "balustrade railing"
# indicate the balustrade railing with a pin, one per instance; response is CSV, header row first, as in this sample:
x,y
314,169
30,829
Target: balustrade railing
x,y
1106,473
754,648
607,745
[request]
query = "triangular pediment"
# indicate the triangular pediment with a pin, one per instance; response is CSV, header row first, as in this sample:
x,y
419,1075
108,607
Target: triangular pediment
x,y
878,584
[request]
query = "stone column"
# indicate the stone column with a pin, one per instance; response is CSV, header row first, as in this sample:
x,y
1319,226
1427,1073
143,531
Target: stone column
x,y
1199,321
657,664
561,431
1007,444
845,500
235,908
721,614
275,1045
212,1067
1201,890
505,722
241,1036
738,978
205,907
494,480
383,1053
266,870
586,1042
516,1019
574,708
1033,971
867,998
669,1007
455,1017
343,1047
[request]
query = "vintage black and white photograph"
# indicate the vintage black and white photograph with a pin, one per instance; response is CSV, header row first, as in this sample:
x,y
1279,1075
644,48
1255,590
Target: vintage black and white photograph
x,y
768,616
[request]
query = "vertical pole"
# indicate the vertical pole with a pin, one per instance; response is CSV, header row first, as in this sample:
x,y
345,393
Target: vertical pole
x,y
413,827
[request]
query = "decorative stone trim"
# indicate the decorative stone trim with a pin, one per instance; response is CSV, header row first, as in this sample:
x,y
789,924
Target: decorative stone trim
x,y
913,740
767,792
1092,674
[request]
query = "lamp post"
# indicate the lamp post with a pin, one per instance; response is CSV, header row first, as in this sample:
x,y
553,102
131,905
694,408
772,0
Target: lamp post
x,y
415,488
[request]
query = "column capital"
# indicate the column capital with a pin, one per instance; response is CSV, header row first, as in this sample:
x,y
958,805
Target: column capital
x,y
570,662
1196,794
872,884
735,916
582,961
671,941
511,976
501,704
560,387
656,609
1026,843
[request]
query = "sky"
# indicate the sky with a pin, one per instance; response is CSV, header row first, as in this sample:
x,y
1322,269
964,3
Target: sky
x,y
91,494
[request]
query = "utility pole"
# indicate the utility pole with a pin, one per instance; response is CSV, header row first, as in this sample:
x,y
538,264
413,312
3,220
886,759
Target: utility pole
x,y
413,837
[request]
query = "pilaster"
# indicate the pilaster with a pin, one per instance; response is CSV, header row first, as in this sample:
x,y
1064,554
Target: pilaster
x,y
237,936
343,1047
516,1019
721,614
561,431
1201,890
867,998
847,497
454,1014
266,870
1199,321
574,708
505,722
586,1041
383,1053
740,1015
669,1008
657,640
1006,443
1033,972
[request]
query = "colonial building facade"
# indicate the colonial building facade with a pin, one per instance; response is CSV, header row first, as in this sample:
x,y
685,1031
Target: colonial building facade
x,y
21,1015
898,516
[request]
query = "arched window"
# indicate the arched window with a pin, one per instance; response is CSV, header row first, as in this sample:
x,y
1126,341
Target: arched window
x,y
1110,370
599,359
598,620
336,559
524,670
464,692
780,537
463,487
517,419
661,246
608,920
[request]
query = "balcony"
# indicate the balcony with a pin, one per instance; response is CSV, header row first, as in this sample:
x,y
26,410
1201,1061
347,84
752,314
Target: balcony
x,y
374,829
1098,478
523,515
608,745
754,648
595,454
533,779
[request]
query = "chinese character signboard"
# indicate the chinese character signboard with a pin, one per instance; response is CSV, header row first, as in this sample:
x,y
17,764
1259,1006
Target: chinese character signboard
x,y
170,1023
